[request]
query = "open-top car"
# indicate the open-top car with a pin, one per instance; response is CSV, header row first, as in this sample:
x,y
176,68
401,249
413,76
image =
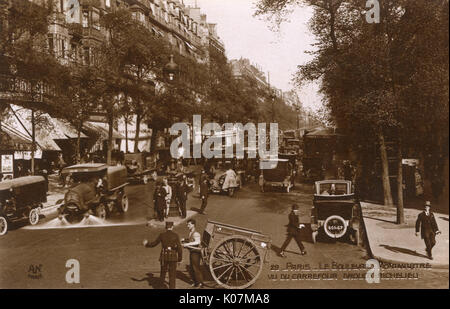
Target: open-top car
x,y
225,181
98,189
335,210
20,199
278,173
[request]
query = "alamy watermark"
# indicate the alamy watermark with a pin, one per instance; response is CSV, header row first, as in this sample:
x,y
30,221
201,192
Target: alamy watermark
x,y
234,137
373,12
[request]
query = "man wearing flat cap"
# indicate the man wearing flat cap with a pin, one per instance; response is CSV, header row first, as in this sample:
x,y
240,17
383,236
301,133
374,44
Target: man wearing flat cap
x,y
171,253
427,225
293,231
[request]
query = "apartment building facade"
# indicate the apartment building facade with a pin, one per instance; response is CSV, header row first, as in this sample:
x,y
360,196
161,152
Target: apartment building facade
x,y
243,67
76,27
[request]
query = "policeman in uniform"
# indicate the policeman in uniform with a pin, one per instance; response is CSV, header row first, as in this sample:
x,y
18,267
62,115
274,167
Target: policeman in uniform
x,y
171,253
426,223
204,188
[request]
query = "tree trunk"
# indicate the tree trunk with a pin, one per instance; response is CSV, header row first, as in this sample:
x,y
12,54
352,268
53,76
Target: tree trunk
x,y
153,140
400,212
385,171
110,140
126,133
136,136
33,141
78,142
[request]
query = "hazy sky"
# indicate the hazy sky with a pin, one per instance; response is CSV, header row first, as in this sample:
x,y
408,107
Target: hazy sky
x,y
250,37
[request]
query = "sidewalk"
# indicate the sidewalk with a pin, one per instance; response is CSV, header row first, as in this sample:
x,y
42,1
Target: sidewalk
x,y
394,243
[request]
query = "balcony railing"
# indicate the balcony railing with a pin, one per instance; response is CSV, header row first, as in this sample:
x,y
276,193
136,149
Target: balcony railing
x,y
93,32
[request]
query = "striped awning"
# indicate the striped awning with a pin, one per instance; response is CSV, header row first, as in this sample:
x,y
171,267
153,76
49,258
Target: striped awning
x,y
11,139
101,129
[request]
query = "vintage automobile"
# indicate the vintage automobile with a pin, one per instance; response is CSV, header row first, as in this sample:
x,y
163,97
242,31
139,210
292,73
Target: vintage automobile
x,y
20,199
289,134
280,175
223,184
140,167
98,189
291,146
335,212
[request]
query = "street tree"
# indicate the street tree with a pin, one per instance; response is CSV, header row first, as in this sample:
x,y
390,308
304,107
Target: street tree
x,y
140,55
25,57
81,96
377,77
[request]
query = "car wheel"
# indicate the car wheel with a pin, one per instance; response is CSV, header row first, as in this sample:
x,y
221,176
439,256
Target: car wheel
x,y
123,203
33,216
100,211
3,226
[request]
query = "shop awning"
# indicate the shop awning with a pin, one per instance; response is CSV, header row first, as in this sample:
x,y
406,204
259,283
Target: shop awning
x,y
20,123
101,130
65,130
11,139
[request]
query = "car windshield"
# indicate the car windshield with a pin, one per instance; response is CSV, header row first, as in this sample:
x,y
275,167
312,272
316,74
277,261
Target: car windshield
x,y
333,189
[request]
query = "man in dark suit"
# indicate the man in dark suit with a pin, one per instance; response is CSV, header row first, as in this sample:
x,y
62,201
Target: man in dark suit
x,y
171,253
427,225
293,231
159,201
181,195
204,188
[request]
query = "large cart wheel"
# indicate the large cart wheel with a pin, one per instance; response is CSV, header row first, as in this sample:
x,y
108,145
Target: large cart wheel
x,y
3,226
33,216
100,211
123,203
235,262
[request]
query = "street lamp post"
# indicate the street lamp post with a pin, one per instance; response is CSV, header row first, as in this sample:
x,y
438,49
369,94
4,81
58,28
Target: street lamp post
x,y
171,70
297,109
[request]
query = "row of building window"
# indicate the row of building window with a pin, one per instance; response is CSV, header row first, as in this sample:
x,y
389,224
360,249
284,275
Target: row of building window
x,y
59,46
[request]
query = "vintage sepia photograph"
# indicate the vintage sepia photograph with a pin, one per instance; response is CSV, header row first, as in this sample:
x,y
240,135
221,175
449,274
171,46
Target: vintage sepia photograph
x,y
204,145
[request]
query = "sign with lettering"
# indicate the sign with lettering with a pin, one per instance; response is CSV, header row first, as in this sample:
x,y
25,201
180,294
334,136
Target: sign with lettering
x,y
7,164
